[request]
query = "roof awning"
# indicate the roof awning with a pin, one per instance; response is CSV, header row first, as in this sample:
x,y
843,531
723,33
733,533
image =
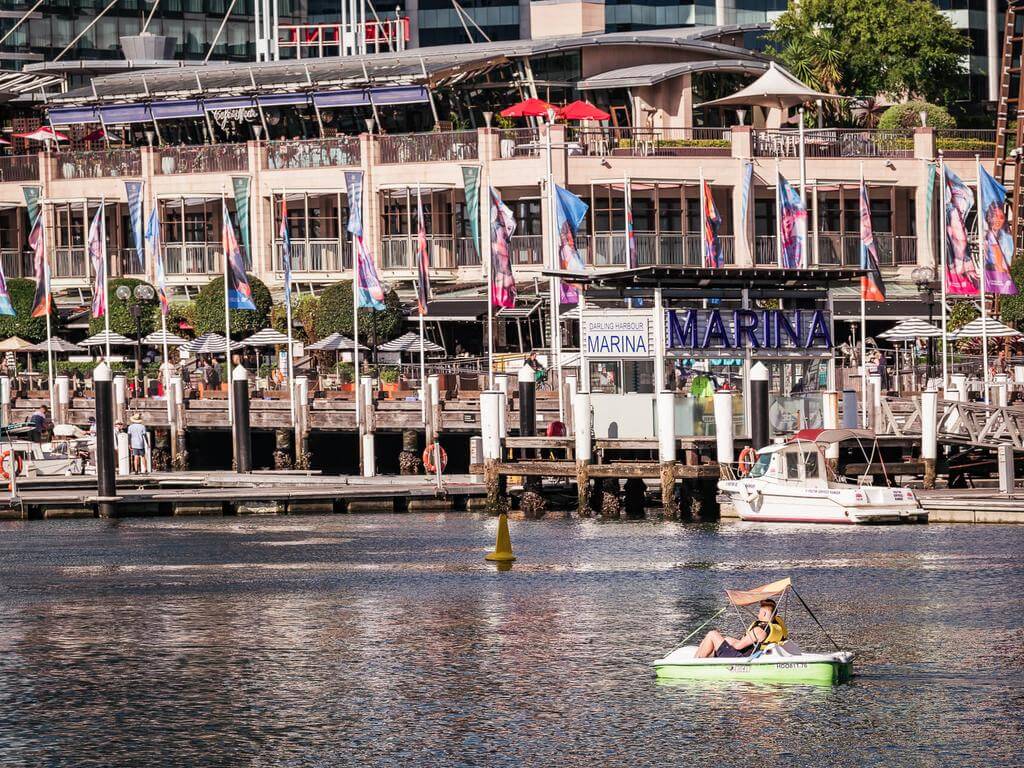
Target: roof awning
x,y
652,74
73,115
126,113
228,102
413,94
354,98
176,110
282,99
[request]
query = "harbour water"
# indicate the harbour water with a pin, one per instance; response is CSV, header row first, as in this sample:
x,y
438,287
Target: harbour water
x,y
386,640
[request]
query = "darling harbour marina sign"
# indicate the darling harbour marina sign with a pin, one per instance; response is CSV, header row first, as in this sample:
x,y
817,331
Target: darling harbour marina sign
x,y
631,334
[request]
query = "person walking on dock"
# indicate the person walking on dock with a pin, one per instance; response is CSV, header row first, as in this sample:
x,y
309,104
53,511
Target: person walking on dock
x,y
138,439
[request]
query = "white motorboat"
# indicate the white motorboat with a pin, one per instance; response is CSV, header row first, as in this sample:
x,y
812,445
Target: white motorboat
x,y
793,482
68,454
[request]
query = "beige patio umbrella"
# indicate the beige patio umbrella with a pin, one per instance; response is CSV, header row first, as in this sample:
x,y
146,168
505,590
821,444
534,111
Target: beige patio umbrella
x,y
14,344
776,90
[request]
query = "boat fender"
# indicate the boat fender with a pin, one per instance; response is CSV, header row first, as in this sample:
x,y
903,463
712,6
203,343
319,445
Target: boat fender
x,y
746,460
4,457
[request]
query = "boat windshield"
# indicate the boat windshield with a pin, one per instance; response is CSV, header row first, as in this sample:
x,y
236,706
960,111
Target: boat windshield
x,y
761,465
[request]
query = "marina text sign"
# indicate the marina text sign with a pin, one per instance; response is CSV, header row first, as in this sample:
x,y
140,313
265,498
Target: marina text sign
x,y
618,335
793,329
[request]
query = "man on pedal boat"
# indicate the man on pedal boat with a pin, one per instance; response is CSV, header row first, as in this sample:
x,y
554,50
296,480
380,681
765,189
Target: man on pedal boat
x,y
768,628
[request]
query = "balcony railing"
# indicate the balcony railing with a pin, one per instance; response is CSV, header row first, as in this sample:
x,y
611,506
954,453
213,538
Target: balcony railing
x,y
130,263
527,249
835,249
191,258
519,142
655,249
69,262
322,255
99,164
429,147
650,142
965,142
400,252
19,168
212,158
466,254
315,153
17,263
834,142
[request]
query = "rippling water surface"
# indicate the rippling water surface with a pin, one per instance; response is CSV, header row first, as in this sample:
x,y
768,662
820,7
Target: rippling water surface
x,y
387,640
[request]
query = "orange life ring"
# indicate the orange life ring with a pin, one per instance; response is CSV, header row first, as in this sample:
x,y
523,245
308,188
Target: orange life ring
x,y
746,460
18,466
428,458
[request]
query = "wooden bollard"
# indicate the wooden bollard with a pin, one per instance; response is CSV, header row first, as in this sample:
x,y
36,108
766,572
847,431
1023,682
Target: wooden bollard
x,y
724,448
666,408
240,427
367,429
929,434
490,407
106,482
583,442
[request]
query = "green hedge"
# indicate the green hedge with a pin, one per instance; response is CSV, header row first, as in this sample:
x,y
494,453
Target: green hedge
x,y
907,116
209,310
670,143
121,320
22,323
333,314
964,145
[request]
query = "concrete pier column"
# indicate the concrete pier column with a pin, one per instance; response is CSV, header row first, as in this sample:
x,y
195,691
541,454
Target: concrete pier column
x,y
428,413
241,432
301,422
5,399
851,409
666,422
527,402
180,458
501,382
760,434
1000,394
490,407
724,448
434,385
583,449
63,386
106,482
1004,460
830,420
369,424
875,403
120,399
959,382
571,389
929,434
124,454
1018,375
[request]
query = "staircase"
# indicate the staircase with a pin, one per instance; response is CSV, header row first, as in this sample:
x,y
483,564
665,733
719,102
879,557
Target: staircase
x,y
1011,109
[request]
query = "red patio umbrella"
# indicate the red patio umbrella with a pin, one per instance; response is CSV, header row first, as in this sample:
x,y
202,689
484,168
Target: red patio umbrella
x,y
42,133
581,110
528,108
98,135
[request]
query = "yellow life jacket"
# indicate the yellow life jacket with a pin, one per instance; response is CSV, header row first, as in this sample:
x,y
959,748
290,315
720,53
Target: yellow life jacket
x,y
777,632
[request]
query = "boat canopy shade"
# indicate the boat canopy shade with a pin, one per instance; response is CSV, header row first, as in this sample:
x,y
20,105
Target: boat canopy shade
x,y
652,74
757,594
832,435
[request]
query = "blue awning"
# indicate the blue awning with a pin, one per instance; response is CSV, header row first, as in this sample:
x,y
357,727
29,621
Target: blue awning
x,y
283,99
409,94
228,102
72,115
126,113
341,99
173,110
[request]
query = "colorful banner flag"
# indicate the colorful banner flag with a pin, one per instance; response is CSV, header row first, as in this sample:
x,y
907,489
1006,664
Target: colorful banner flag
x,y
6,308
872,287
32,195
238,288
354,187
961,269
240,185
712,223
929,197
503,226
471,183
153,240
422,258
748,185
37,241
997,238
370,291
792,226
570,211
99,263
133,189
286,251
632,257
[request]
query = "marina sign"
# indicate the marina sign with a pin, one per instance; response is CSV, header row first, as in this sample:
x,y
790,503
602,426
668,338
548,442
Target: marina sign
x,y
777,329
618,335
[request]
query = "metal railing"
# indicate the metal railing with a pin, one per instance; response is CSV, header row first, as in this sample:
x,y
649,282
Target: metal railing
x,y
527,249
834,143
19,168
130,262
466,254
314,153
836,249
17,263
765,252
304,41
210,158
69,262
519,142
400,252
323,255
429,147
656,249
99,164
191,258
650,142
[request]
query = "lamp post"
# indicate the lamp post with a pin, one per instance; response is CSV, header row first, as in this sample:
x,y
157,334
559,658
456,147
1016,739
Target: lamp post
x,y
924,278
142,293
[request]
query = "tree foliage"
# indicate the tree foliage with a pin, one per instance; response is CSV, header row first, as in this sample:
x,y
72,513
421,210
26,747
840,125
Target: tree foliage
x,y
908,115
22,323
1011,308
121,320
333,314
903,48
209,310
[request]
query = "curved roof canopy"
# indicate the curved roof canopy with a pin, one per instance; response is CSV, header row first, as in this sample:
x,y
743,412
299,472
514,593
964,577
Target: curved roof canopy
x,y
652,74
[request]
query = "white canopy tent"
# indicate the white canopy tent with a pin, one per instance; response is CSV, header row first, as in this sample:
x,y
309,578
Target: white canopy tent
x,y
775,91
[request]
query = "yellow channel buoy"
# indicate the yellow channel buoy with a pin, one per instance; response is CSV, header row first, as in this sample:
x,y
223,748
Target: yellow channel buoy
x,y
503,546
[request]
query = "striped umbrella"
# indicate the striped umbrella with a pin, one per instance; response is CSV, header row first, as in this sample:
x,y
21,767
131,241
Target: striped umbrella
x,y
268,337
159,338
209,344
116,340
334,343
59,345
911,329
991,328
410,342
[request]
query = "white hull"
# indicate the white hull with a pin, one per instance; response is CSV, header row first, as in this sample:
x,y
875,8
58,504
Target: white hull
x,y
767,502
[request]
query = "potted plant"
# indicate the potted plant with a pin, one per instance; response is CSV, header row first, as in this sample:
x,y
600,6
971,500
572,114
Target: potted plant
x,y
389,380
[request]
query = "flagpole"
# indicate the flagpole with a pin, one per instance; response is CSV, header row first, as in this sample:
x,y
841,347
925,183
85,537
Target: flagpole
x,y
625,222
49,309
982,261
803,187
703,222
487,257
555,287
227,304
288,310
863,321
423,351
942,267
106,272
778,212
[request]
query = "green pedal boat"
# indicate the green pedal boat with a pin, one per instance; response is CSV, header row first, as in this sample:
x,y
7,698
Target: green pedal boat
x,y
768,655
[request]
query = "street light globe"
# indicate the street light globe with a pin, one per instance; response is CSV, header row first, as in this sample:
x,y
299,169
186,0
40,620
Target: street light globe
x,y
123,292
144,292
922,276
